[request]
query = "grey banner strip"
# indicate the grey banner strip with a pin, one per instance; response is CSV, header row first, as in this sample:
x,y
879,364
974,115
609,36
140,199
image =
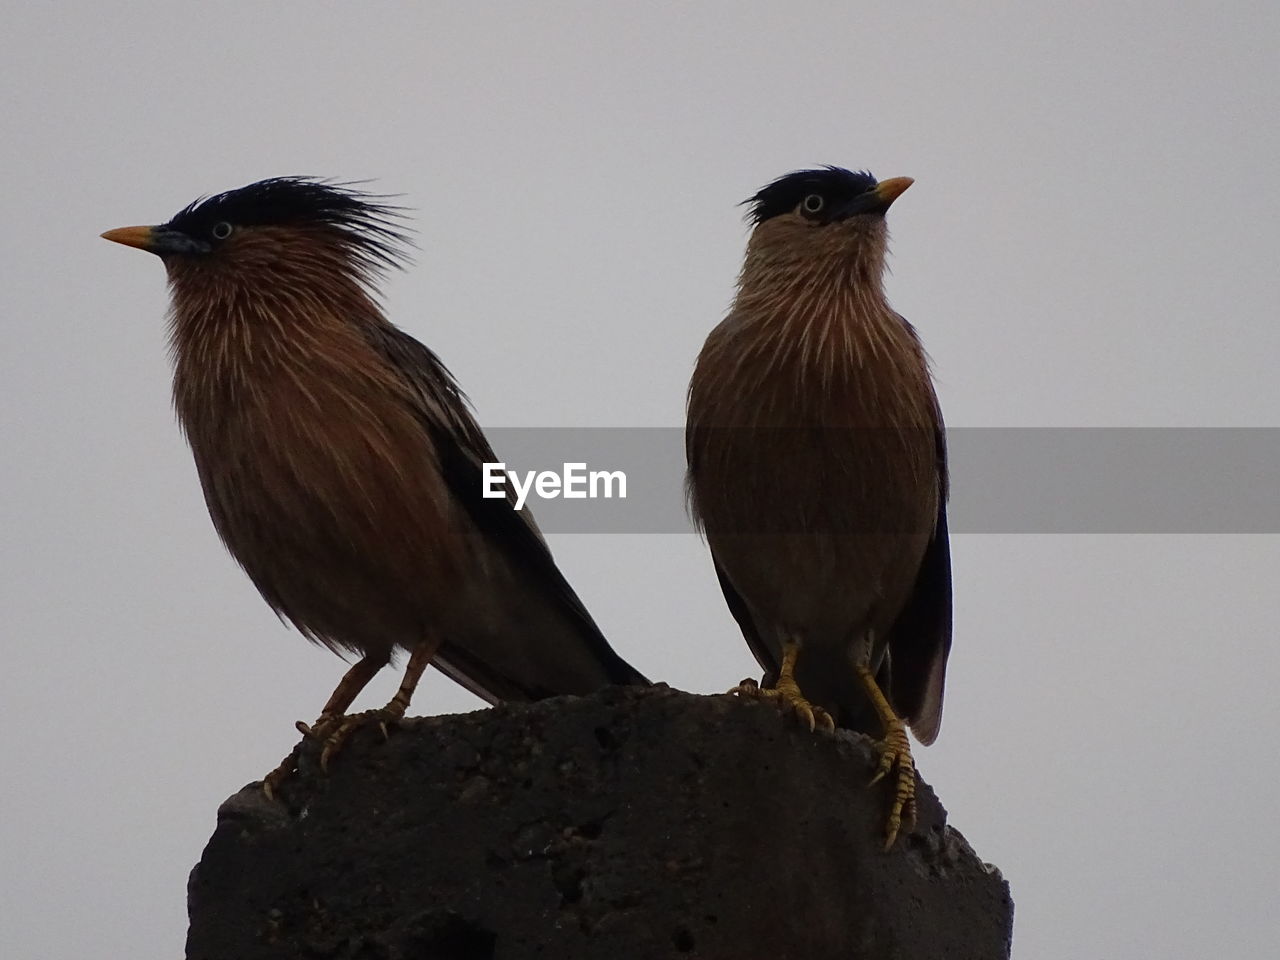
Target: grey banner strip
x,y
1004,480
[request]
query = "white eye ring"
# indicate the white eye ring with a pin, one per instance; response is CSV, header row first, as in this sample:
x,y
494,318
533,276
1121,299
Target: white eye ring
x,y
221,230
813,203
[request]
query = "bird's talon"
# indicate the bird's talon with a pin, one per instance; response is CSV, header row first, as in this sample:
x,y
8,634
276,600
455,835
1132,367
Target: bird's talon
x,y
276,777
806,715
895,752
344,727
788,699
320,730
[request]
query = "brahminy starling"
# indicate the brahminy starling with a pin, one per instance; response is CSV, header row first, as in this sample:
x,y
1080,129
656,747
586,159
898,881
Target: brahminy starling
x,y
341,464
817,471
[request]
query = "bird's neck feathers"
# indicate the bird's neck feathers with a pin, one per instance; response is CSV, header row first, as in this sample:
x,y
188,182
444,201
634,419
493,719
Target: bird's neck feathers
x,y
814,320
796,274
276,308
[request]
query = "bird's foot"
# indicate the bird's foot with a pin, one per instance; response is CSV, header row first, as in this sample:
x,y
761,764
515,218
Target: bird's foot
x,y
787,698
271,782
318,731
895,754
334,732
331,731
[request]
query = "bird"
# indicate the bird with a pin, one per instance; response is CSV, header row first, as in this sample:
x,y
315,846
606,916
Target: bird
x,y
341,463
817,472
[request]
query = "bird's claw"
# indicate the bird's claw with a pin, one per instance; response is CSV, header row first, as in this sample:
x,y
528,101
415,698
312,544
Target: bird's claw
x,y
320,730
788,699
895,751
337,736
271,782
331,731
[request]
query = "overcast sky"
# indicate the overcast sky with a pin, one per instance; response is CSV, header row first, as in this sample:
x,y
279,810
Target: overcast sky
x,y
1093,240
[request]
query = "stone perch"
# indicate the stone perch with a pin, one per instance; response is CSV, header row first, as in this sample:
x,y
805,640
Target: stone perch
x,y
631,824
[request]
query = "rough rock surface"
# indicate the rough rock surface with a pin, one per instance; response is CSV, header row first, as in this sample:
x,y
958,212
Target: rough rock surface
x,y
631,824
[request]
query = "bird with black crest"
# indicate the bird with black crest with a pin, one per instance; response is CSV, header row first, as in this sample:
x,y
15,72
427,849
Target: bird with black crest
x,y
817,471
341,464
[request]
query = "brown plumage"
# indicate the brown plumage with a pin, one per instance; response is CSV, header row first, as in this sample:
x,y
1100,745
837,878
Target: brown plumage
x,y
817,469
340,462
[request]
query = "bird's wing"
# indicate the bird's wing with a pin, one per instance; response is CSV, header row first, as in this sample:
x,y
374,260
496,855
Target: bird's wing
x,y
462,449
738,607
693,446
920,638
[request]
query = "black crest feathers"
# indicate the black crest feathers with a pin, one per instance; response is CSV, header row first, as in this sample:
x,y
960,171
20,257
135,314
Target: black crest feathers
x,y
835,184
369,224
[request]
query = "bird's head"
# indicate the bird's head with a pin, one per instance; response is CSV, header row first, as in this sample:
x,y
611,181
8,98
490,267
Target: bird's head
x,y
274,222
829,210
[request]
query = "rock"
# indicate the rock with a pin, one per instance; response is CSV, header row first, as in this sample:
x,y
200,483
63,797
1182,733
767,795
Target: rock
x,y
631,824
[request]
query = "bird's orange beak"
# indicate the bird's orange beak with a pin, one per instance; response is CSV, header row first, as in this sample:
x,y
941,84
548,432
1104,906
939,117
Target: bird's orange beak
x,y
890,190
141,237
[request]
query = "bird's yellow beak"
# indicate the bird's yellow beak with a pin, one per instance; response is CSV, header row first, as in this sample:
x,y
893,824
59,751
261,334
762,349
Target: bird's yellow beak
x,y
890,190
141,237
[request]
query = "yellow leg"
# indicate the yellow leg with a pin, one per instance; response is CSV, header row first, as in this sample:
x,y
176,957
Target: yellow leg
x,y
333,727
785,693
349,687
895,751
419,660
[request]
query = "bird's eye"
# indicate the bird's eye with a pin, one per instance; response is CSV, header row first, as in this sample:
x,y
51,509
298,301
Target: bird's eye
x,y
221,230
813,203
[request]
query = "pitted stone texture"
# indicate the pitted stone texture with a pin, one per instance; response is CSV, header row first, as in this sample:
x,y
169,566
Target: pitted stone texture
x,y
631,824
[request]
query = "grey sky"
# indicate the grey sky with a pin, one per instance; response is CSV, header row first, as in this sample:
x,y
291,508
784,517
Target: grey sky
x,y
1092,240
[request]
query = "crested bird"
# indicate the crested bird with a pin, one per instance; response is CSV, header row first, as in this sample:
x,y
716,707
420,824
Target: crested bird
x,y
341,464
817,472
